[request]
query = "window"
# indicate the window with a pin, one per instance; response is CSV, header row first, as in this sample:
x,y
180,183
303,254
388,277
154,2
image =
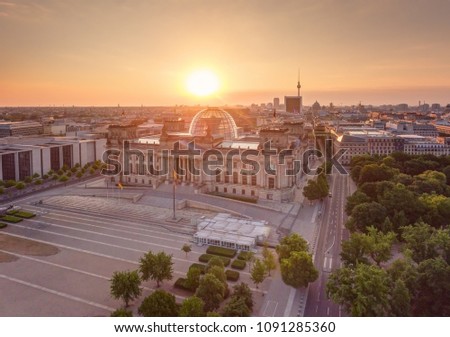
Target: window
x,y
217,189
271,182
254,180
234,191
244,180
253,193
217,176
54,159
225,190
227,178
8,167
235,178
24,165
67,155
243,192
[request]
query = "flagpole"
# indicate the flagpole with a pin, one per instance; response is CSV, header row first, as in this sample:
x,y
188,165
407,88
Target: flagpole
x,y
173,194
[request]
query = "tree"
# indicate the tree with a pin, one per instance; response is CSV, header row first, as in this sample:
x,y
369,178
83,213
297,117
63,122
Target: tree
x,y
363,290
417,239
157,267
291,243
126,286
258,273
243,291
159,304
236,308
211,291
193,278
433,290
186,249
354,200
400,300
215,261
365,215
192,307
122,313
219,273
311,191
375,172
355,249
298,270
269,259
380,244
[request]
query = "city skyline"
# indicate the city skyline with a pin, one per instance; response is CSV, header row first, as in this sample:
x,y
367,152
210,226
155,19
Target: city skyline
x,y
133,53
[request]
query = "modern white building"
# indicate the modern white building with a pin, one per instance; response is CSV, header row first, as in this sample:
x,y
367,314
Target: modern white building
x,y
23,157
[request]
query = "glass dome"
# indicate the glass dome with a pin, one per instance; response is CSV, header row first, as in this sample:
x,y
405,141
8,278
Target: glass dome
x,y
219,122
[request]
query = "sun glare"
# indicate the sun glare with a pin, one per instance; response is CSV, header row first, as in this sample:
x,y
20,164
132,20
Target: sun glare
x,y
202,83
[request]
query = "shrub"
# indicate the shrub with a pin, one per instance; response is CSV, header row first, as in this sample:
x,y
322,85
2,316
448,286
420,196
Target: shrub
x,y
3,225
51,172
73,169
79,174
181,284
11,218
28,180
92,171
45,176
63,178
244,256
69,174
232,275
36,175
55,177
10,183
38,182
2,183
122,313
2,190
20,185
238,264
206,257
201,267
24,214
221,251
60,172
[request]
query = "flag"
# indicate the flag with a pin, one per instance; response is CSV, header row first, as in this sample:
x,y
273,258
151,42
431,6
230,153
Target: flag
x,y
120,185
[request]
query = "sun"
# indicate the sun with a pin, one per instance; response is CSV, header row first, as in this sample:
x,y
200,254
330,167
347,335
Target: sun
x,y
202,83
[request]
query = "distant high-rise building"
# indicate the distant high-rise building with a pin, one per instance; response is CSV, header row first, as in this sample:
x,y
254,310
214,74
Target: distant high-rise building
x,y
294,103
276,102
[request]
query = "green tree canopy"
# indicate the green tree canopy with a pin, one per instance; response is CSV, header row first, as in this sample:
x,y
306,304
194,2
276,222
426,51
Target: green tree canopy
x,y
363,290
125,285
211,291
236,307
192,307
291,243
159,304
258,273
365,215
269,259
243,291
186,249
298,270
157,267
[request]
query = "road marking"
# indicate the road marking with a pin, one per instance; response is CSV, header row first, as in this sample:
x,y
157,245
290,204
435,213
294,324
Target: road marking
x,y
328,311
289,303
325,263
268,304
97,233
72,269
58,293
330,263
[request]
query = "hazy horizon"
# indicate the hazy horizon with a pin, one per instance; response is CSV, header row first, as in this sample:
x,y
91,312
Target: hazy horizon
x,y
134,53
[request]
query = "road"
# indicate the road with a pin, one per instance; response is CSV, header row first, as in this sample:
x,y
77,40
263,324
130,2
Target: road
x,y
327,258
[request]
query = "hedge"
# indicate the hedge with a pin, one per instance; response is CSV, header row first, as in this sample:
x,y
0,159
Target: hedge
x,y
25,214
206,257
238,264
243,256
232,275
221,251
3,225
202,267
181,284
11,218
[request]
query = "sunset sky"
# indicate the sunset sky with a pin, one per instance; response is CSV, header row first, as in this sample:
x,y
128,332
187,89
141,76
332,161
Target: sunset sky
x,y
108,52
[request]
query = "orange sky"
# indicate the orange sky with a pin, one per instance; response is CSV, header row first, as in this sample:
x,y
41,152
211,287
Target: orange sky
x,y
141,52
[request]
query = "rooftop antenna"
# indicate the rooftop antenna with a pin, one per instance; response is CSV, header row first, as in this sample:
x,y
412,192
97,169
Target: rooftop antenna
x,y
298,83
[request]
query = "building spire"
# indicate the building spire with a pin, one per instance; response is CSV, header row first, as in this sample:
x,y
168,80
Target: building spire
x,y
298,83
